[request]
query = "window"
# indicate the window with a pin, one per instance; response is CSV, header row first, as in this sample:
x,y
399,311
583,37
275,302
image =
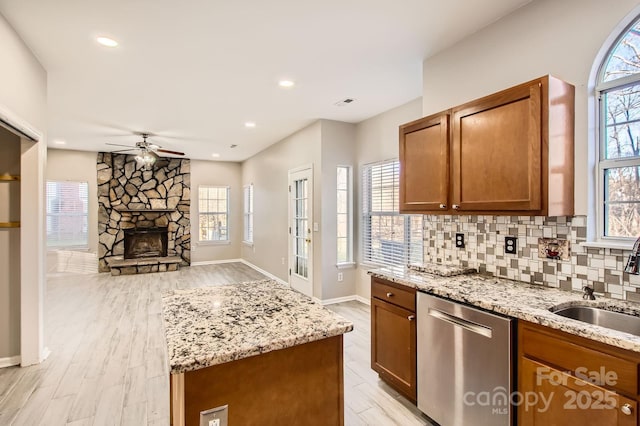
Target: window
x,y
344,211
248,214
618,91
67,214
213,213
389,238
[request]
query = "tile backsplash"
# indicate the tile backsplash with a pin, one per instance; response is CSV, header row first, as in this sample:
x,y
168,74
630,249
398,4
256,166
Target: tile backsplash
x,y
602,268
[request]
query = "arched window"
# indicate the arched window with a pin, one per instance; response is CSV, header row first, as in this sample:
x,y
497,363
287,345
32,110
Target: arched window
x,y
618,92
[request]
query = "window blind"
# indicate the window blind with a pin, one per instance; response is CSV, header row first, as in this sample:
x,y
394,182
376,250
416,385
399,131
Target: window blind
x,y
388,238
67,214
248,214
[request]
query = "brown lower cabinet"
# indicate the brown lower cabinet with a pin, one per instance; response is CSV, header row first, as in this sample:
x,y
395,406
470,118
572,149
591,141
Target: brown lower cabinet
x,y
569,380
393,335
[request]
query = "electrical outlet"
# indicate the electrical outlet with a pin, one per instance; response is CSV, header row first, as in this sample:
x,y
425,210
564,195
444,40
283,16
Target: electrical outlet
x,y
340,276
218,416
459,240
510,245
283,260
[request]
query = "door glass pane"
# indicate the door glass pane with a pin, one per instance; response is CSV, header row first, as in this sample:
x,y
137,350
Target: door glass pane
x,y
300,227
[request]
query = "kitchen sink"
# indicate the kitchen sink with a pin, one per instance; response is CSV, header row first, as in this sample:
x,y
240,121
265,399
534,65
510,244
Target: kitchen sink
x,y
597,316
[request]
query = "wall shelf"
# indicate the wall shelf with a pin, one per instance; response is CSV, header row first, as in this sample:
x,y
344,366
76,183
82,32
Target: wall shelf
x,y
9,224
9,178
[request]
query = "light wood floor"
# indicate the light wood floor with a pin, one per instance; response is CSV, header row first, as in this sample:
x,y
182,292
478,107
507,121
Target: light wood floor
x,y
108,362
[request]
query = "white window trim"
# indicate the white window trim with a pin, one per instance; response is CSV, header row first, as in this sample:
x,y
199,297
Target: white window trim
x,y
215,242
600,240
245,214
350,262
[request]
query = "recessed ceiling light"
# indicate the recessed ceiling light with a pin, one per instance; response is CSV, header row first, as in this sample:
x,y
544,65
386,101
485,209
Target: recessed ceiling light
x,y
250,124
215,155
60,142
106,41
286,83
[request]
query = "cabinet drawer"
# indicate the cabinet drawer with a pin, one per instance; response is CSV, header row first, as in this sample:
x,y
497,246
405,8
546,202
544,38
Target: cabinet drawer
x,y
573,354
394,293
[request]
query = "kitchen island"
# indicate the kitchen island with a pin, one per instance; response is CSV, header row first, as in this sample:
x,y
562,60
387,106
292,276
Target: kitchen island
x,y
268,353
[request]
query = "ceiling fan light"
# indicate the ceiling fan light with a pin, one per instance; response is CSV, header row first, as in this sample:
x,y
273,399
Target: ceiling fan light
x,y
145,159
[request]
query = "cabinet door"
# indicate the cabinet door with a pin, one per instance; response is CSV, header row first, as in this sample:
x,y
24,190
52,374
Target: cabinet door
x,y
393,346
497,150
424,164
550,397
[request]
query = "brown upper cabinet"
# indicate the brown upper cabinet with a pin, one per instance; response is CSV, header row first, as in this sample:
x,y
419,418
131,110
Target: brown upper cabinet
x,y
510,153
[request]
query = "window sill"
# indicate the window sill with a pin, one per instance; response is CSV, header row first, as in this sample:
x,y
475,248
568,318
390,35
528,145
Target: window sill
x,y
248,243
371,265
214,243
617,245
346,265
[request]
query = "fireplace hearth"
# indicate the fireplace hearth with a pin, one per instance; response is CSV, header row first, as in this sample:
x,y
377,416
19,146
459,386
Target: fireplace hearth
x,y
140,243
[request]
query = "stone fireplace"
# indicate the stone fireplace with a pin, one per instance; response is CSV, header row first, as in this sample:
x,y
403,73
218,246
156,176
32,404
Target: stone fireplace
x,y
145,242
143,215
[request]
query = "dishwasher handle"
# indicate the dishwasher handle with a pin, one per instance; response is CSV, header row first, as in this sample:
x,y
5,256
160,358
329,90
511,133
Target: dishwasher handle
x,y
460,322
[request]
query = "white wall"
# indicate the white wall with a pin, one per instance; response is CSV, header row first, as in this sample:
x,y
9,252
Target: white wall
x,y
23,94
338,149
268,171
377,140
217,173
561,38
77,166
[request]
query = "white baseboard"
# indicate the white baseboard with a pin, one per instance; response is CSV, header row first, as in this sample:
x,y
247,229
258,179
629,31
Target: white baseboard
x,y
363,300
45,354
216,262
262,271
338,300
9,361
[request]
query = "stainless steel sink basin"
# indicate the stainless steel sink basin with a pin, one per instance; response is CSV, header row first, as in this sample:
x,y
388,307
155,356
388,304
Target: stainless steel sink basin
x,y
609,319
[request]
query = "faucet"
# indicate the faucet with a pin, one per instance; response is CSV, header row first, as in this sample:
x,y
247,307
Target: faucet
x,y
588,293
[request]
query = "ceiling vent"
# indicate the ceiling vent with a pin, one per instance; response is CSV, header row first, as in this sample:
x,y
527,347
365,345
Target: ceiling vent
x,y
345,102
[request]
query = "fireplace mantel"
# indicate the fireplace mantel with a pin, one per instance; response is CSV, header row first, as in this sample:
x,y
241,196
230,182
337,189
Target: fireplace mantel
x,y
144,210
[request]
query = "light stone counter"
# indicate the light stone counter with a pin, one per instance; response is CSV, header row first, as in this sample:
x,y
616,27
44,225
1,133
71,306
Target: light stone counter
x,y
214,325
519,300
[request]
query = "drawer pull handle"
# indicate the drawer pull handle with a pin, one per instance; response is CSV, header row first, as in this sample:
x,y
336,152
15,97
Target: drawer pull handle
x,y
443,206
389,294
626,409
411,317
456,206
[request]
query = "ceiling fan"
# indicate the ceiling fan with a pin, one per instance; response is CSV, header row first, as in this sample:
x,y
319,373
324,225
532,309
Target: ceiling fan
x,y
147,152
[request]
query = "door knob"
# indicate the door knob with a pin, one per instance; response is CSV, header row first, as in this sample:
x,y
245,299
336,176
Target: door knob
x,y
455,206
626,409
389,294
411,317
443,206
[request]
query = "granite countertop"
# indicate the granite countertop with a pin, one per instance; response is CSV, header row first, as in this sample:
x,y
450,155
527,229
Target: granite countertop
x,y
214,325
520,300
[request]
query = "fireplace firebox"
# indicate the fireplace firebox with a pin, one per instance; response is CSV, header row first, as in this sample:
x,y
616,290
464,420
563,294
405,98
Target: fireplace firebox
x,y
145,242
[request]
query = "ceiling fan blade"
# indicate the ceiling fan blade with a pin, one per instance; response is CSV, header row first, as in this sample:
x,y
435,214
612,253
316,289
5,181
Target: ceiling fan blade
x,y
166,151
123,150
118,144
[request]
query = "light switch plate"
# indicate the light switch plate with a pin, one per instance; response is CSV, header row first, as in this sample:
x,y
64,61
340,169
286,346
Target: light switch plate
x,y
218,416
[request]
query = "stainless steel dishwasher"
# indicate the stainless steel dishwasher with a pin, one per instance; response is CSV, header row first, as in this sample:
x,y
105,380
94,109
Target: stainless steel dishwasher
x,y
465,364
